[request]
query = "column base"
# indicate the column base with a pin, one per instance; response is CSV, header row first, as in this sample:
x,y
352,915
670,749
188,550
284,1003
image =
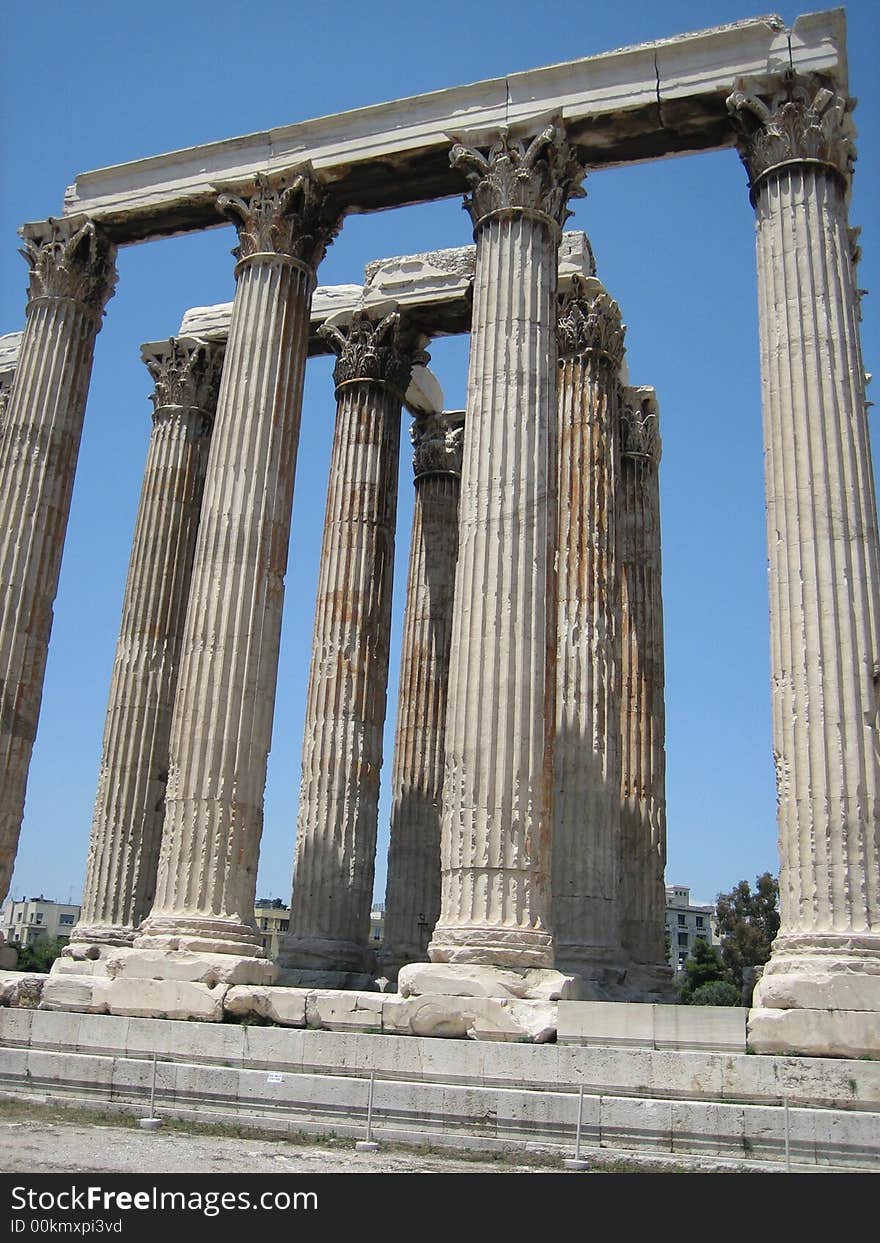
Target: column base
x,y
605,965
819,995
206,936
492,947
348,981
324,954
472,980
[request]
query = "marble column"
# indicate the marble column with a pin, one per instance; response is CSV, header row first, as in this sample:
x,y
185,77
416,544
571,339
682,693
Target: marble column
x,y
586,762
412,894
345,711
221,726
642,705
497,796
820,992
127,824
72,275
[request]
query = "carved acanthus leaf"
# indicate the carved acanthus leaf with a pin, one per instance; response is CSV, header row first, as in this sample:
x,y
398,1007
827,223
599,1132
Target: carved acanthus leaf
x,y
290,214
589,322
70,258
640,431
186,373
803,121
512,176
437,443
372,350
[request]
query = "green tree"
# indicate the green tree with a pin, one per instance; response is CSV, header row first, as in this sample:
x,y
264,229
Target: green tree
x,y
716,993
703,967
747,921
40,955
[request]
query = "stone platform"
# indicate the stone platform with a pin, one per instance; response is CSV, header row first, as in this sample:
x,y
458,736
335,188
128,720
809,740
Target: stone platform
x,y
458,1093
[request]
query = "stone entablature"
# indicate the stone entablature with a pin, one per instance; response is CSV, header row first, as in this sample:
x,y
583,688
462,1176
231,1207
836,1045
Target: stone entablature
x,y
635,103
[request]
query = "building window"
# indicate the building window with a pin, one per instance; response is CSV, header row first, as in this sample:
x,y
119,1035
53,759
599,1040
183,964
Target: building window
x,y
39,917
66,919
683,939
699,921
682,921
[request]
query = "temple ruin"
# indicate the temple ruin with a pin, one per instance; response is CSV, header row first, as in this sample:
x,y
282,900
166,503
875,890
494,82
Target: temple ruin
x,y
528,786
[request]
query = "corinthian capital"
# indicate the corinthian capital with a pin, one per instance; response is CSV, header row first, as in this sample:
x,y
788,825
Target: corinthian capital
x,y
372,349
285,214
640,426
514,177
186,372
70,258
804,121
589,322
437,443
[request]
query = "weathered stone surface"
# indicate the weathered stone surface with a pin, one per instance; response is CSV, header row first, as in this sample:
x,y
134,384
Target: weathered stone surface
x,y
184,966
817,1033
472,980
20,989
169,999
631,1024
357,981
586,751
8,957
285,1006
80,993
820,990
475,1017
343,1011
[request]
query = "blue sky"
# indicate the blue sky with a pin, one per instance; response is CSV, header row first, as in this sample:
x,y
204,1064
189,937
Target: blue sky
x,y
85,85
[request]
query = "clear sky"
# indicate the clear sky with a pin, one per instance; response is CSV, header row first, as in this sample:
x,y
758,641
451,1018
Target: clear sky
x,y
85,85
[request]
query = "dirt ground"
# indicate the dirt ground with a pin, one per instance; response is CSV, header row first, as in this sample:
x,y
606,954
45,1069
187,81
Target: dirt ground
x,y
48,1142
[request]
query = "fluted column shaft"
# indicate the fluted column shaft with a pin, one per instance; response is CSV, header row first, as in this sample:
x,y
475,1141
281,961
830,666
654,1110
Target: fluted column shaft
x,y
72,275
412,894
222,722
823,548
586,761
127,823
642,706
345,712
497,795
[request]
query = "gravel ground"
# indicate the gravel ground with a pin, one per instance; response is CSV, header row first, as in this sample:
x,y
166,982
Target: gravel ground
x,y
50,1146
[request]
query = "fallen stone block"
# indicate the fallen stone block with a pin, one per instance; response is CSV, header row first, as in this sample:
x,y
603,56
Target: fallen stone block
x,y
21,990
344,1011
468,980
285,1006
84,994
165,999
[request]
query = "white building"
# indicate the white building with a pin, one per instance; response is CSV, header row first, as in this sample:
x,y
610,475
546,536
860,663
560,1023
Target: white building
x,y
685,923
27,921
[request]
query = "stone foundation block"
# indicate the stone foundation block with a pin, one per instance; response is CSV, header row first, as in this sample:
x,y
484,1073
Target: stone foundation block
x,y
821,990
478,1018
300,977
189,967
419,979
285,1006
84,994
816,1033
700,1027
169,999
8,957
344,1011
